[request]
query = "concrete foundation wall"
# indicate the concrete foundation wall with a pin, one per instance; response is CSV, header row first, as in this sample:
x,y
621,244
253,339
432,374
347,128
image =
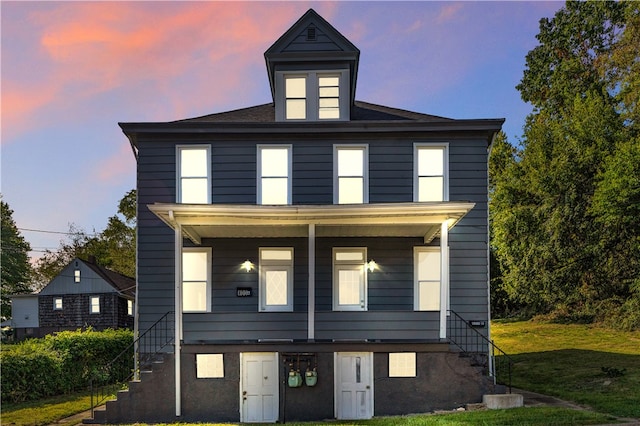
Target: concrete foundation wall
x,y
445,380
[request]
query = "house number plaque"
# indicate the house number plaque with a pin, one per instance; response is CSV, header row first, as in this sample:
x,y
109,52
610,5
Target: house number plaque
x,y
243,291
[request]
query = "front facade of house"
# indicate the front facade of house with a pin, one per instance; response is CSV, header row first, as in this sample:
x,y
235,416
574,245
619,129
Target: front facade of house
x,y
312,250
84,294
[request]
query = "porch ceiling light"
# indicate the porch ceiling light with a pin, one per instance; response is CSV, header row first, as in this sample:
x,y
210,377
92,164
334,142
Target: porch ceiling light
x,y
372,265
247,265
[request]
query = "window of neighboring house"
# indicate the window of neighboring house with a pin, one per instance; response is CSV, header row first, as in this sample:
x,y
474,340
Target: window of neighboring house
x,y
95,305
76,275
130,307
349,279
196,280
57,303
402,364
194,174
276,279
430,173
209,366
427,278
351,174
312,95
274,174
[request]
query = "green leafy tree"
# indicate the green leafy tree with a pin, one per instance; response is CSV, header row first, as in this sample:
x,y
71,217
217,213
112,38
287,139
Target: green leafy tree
x,y
15,267
564,205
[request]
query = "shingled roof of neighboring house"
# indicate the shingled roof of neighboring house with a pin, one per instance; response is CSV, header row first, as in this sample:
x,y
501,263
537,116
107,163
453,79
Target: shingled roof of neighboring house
x,y
360,111
122,283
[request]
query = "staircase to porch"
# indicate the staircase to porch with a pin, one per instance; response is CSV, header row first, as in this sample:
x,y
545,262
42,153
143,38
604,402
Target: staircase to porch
x,y
143,361
482,352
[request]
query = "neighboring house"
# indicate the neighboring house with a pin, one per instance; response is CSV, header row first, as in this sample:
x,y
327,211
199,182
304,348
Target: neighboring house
x,y
84,294
313,234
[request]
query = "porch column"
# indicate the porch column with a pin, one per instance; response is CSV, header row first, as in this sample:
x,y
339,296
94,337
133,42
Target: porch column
x,y
444,278
178,314
311,298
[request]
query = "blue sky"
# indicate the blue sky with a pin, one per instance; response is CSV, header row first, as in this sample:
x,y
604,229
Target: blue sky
x,y
70,71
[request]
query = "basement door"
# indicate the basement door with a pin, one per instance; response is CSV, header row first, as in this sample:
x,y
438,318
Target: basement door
x,y
354,385
259,387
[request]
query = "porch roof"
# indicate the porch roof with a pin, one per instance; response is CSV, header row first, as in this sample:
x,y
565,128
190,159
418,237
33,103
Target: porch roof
x,y
423,219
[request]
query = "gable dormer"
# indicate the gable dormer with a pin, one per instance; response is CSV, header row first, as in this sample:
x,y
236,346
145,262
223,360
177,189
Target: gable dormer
x,y
312,72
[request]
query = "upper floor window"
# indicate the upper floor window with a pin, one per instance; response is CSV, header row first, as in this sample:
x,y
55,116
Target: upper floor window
x,y
276,279
130,307
196,280
312,95
274,174
350,174
194,174
76,275
430,173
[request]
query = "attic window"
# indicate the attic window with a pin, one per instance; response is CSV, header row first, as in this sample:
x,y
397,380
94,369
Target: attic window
x,y
311,34
76,275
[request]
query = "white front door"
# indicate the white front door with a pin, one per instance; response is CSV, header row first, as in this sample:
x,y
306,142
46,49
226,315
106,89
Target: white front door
x,y
354,385
259,387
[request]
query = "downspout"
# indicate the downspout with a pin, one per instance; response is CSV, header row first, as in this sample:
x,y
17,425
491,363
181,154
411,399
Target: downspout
x,y
311,308
178,312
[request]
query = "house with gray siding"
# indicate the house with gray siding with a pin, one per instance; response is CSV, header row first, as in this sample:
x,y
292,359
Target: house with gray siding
x,y
310,252
84,294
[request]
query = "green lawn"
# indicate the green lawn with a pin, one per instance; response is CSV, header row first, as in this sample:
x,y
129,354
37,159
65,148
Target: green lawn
x,y
592,366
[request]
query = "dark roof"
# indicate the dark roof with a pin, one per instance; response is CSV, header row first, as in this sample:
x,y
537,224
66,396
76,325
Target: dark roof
x,y
125,285
361,111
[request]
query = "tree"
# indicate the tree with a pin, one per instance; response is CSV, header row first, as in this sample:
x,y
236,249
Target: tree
x,y
16,269
113,248
564,205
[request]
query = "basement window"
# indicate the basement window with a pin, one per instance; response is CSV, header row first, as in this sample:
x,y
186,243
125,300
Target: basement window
x,y
402,364
209,366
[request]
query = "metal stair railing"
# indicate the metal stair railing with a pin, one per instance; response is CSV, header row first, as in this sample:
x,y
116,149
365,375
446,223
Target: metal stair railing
x,y
127,365
470,341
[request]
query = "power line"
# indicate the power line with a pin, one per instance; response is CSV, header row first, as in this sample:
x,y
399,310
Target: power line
x,y
55,232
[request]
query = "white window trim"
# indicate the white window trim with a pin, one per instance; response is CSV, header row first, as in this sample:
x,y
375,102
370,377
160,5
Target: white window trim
x,y
179,149
259,149
312,94
445,166
91,311
55,305
334,267
365,171
416,281
130,307
266,265
207,251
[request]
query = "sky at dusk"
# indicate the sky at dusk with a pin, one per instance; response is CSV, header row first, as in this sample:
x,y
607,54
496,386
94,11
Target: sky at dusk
x,y
70,71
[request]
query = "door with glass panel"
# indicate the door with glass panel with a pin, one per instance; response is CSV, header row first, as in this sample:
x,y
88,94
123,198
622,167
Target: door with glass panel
x,y
349,279
276,279
354,385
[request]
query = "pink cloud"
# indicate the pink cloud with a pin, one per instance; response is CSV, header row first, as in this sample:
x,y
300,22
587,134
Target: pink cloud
x,y
449,12
117,167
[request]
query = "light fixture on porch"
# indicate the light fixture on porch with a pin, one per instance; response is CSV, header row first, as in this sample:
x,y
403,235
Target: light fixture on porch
x,y
247,265
372,265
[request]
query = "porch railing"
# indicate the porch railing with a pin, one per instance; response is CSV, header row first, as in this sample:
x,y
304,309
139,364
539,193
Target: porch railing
x,y
127,365
464,335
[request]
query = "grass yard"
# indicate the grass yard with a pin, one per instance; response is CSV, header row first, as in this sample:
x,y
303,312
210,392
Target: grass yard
x,y
591,366
45,411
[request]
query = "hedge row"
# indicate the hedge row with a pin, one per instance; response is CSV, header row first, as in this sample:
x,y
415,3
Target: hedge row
x,y
63,363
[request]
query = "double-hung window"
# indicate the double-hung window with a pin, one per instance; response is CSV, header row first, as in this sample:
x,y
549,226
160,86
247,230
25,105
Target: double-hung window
x,y
57,303
274,174
276,279
349,279
431,172
351,174
194,174
94,304
312,95
428,278
196,280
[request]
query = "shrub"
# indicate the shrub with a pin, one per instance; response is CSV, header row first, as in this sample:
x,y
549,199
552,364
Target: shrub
x,y
62,363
